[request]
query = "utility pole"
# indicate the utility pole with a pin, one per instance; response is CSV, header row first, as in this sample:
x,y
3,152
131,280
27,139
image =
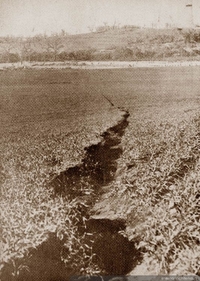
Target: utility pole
x,y
159,14
189,6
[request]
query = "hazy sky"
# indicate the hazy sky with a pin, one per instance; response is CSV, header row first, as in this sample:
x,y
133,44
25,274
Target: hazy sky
x,y
29,17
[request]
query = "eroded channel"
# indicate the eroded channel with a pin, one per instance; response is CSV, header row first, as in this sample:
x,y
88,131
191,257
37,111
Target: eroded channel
x,y
98,166
114,254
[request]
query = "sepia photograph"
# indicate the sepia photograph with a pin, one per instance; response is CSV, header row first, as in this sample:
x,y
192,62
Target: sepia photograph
x,y
99,140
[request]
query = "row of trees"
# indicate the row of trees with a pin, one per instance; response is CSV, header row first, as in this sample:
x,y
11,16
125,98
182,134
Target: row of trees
x,y
123,54
30,49
47,56
115,26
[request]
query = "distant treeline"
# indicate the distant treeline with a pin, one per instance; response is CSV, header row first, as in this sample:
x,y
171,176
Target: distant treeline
x,y
82,55
43,48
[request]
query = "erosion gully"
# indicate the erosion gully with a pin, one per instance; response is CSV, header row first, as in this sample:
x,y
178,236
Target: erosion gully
x,y
116,255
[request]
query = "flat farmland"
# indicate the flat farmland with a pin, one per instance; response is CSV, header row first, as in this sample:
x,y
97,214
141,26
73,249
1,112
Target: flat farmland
x,y
33,98
49,116
56,99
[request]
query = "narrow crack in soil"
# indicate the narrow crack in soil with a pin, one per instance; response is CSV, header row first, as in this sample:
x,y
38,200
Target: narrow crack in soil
x,y
115,254
98,166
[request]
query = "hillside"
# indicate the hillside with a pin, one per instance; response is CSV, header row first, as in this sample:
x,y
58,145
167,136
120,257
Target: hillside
x,y
127,43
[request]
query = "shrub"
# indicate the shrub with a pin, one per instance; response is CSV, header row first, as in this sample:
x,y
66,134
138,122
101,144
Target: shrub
x,y
191,36
9,57
82,55
64,56
122,54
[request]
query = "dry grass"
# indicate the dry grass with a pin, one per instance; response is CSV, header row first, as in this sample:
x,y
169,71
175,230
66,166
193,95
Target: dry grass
x,y
162,180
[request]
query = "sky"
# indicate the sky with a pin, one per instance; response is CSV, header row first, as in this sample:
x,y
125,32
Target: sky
x,y
31,17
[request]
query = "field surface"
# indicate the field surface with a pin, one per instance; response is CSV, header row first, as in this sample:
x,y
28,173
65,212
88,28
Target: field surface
x,y
34,97
49,116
